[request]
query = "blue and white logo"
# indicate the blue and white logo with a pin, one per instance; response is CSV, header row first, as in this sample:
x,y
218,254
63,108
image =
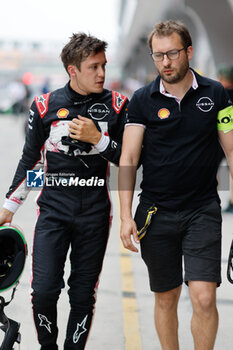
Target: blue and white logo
x,y
35,178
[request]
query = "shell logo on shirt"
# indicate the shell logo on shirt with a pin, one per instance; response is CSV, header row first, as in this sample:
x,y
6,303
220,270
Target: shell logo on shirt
x,y
62,113
163,113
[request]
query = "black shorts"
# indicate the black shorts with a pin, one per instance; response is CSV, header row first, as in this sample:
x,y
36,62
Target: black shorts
x,y
189,235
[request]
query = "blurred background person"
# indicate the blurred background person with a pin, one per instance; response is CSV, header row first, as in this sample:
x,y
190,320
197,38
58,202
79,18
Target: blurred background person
x,y
225,76
46,86
19,93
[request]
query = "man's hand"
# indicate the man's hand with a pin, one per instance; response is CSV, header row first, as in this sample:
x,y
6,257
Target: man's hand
x,y
131,150
84,129
128,228
6,216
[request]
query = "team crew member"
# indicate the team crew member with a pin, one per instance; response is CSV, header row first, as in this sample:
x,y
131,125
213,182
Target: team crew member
x,y
177,118
79,128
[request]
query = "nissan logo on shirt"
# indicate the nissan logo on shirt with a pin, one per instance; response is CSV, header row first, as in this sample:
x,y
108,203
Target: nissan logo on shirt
x,y
98,111
205,104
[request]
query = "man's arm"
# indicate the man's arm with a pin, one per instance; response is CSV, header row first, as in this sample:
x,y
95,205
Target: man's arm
x,y
226,140
31,159
85,130
131,151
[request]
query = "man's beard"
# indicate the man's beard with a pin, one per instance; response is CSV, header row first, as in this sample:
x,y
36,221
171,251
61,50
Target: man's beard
x,y
177,76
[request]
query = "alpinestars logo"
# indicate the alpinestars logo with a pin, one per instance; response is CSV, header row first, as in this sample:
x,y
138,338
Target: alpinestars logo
x,y
118,101
42,103
80,330
44,322
42,100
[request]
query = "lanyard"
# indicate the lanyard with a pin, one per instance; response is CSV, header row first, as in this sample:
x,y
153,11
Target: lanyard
x,y
150,212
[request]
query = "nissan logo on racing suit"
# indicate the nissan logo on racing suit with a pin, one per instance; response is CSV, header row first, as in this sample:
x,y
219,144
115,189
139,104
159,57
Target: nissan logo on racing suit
x,y
98,111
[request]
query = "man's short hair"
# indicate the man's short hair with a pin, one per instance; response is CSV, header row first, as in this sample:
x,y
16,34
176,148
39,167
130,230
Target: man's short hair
x,y
163,29
79,48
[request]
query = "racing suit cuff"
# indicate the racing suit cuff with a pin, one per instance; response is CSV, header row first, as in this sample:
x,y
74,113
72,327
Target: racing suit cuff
x,y
11,205
103,143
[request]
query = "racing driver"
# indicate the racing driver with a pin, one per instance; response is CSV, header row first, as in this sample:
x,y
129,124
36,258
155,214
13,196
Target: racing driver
x,y
75,131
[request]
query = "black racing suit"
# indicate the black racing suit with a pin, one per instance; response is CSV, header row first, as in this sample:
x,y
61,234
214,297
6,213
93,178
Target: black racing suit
x,y
74,206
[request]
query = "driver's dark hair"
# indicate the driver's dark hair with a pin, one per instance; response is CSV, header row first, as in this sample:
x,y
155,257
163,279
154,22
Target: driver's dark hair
x,y
169,27
79,48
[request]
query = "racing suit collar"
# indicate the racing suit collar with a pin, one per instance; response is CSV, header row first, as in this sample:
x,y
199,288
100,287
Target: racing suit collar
x,y
78,98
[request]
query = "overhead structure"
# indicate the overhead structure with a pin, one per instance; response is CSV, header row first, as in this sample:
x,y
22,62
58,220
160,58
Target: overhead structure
x,y
210,23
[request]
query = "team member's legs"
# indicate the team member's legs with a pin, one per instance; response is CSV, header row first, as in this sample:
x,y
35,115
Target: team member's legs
x,y
229,208
89,242
166,319
161,249
197,234
51,243
202,257
205,315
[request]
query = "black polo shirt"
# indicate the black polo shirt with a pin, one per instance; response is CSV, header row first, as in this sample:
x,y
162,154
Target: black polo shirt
x,y
180,142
